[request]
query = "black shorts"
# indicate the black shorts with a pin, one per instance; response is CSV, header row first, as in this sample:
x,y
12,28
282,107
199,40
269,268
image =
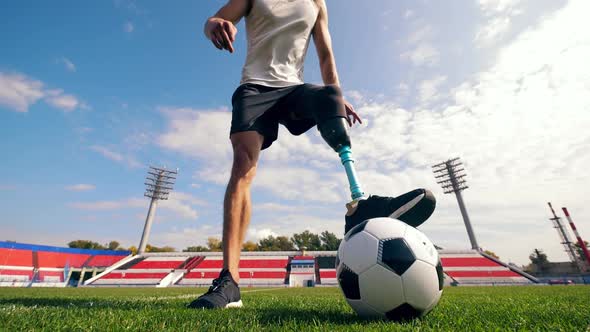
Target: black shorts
x,y
299,108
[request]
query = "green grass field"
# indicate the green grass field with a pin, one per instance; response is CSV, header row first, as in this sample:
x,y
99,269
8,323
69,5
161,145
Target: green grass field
x,y
548,308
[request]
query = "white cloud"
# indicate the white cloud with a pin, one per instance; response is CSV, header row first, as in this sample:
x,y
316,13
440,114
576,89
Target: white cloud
x,y
409,14
180,204
521,129
81,187
130,161
202,134
58,99
255,234
68,64
289,224
498,15
492,31
428,89
424,54
297,183
188,236
494,7
128,27
274,207
110,205
18,92
425,32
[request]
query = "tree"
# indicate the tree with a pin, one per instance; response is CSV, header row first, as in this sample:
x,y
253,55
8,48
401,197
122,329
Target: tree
x,y
133,250
329,241
539,259
150,248
196,249
250,246
284,244
279,243
307,240
113,245
580,252
491,253
214,244
85,244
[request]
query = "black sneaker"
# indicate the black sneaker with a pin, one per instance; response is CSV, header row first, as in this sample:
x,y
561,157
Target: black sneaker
x,y
413,208
224,293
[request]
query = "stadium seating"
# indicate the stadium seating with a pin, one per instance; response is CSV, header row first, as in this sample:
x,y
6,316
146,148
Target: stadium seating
x,y
327,272
254,271
469,267
26,265
36,265
142,271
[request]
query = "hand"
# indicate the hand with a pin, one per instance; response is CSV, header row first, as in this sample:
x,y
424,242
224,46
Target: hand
x,y
222,33
350,113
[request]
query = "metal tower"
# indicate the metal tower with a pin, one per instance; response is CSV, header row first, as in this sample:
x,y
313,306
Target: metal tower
x,y
159,183
565,238
450,175
578,237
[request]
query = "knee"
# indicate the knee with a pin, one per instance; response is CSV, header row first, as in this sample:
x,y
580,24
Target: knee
x,y
244,166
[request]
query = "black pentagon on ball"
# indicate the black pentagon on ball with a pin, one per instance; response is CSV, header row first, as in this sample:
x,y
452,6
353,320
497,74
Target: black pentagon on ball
x,y
356,229
404,312
396,255
349,283
440,273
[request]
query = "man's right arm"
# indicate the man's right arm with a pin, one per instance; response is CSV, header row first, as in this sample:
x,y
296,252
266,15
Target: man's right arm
x,y
221,29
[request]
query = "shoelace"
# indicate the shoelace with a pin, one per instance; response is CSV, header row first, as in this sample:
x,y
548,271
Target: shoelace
x,y
217,283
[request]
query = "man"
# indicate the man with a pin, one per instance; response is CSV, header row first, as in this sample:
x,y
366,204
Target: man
x,y
271,92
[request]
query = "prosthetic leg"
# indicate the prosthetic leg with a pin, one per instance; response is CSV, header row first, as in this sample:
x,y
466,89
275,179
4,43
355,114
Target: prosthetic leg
x,y
335,132
413,207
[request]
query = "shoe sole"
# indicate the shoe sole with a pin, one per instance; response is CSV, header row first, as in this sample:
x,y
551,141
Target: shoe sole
x,y
419,208
407,207
234,304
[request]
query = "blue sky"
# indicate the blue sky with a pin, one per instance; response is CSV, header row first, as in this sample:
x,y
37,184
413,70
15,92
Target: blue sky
x,y
92,93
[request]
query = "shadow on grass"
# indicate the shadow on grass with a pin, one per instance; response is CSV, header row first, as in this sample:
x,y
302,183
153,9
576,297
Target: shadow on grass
x,y
307,316
82,303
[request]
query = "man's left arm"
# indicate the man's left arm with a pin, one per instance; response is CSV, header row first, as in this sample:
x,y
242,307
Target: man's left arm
x,y
323,45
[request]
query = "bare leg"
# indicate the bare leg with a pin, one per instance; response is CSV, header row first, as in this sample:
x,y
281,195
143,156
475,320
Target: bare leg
x,y
237,205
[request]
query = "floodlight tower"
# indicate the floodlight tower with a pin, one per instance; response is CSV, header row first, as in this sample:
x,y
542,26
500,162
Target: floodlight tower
x,y
159,183
450,175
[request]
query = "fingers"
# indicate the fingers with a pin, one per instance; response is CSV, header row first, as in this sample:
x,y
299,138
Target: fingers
x,y
230,29
223,36
227,43
350,113
216,41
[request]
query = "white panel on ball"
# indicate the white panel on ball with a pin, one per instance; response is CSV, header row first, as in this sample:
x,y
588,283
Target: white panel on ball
x,y
384,228
421,285
421,246
381,288
359,252
364,310
434,302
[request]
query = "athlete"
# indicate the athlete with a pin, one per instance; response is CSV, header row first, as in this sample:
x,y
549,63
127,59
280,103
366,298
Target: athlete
x,y
272,92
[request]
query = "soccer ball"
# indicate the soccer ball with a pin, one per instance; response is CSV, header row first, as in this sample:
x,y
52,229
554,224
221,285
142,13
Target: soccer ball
x,y
387,269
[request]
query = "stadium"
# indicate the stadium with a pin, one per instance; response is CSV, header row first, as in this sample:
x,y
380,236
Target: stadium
x,y
461,129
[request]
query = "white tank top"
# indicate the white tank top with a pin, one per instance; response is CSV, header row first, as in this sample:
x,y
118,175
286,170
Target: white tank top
x,y
278,33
